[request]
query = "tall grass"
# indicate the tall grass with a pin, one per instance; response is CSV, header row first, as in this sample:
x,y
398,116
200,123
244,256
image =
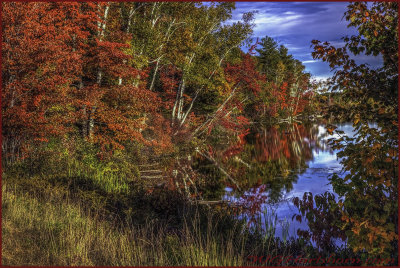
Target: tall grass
x,y
37,232
53,228
64,211
106,177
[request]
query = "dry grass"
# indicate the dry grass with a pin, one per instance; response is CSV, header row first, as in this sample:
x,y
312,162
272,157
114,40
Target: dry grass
x,y
51,232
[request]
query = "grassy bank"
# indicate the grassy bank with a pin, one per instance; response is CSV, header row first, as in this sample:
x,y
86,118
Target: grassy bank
x,y
81,215
62,233
51,227
60,230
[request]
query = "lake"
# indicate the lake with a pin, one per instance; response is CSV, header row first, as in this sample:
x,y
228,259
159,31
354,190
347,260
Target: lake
x,y
290,160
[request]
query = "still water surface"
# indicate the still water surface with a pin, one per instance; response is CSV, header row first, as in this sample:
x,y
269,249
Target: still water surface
x,y
296,159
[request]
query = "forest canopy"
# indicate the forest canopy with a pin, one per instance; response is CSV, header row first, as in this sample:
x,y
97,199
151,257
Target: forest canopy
x,y
145,113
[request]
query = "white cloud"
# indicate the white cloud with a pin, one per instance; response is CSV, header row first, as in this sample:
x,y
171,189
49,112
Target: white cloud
x,y
296,24
337,43
289,13
319,78
276,20
275,24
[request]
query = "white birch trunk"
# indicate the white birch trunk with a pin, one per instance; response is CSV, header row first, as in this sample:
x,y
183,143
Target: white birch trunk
x,y
102,29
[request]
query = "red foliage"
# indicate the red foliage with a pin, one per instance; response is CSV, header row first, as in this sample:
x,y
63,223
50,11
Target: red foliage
x,y
43,53
238,147
273,144
245,73
60,72
252,202
323,218
170,77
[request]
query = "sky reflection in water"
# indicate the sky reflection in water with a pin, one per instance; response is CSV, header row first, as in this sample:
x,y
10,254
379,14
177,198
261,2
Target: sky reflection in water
x,y
314,179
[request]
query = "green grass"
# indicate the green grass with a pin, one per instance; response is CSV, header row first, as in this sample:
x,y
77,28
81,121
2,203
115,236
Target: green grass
x,y
70,212
37,232
51,226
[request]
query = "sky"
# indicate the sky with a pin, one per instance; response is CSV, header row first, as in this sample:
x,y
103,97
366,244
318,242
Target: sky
x,y
295,24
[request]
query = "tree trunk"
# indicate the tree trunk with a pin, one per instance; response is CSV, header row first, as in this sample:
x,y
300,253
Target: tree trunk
x,y
154,75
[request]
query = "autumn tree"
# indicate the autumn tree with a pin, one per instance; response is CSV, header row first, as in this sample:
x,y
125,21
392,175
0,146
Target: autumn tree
x,y
42,56
369,208
116,104
288,86
75,77
186,50
208,44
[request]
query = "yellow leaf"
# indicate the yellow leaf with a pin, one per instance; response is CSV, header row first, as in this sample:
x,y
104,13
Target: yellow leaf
x,y
376,146
356,119
370,159
356,230
371,237
330,129
392,152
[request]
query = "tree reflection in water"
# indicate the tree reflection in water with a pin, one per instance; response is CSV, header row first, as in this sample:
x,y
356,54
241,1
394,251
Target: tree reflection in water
x,y
274,156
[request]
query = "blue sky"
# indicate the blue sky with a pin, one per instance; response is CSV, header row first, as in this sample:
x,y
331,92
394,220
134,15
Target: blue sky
x,y
295,24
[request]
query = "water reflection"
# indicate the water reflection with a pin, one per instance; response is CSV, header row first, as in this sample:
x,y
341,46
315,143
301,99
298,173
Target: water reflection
x,y
290,160
276,155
